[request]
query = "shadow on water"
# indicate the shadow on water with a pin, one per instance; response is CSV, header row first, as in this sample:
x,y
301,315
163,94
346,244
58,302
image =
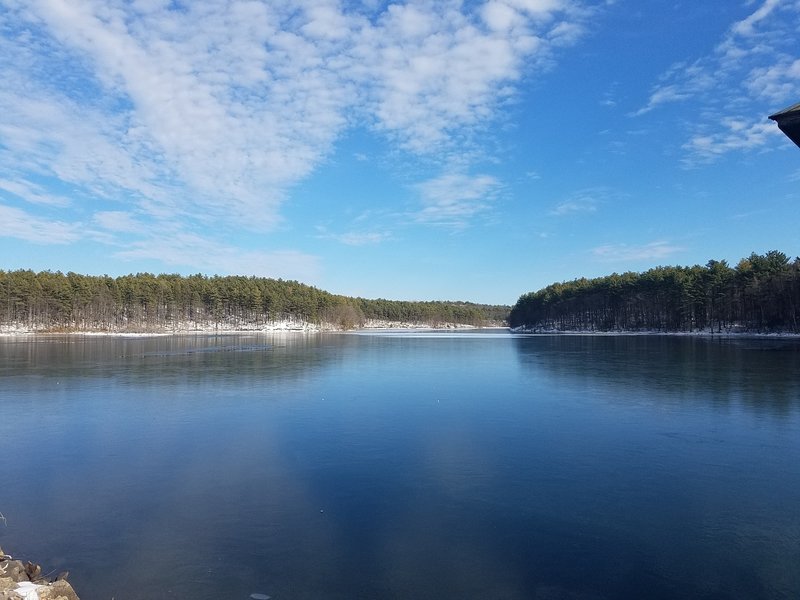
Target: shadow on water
x,y
762,375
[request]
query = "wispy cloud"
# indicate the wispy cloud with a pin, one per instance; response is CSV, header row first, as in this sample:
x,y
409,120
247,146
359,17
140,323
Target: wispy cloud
x,y
731,134
438,70
746,27
579,203
21,225
211,111
664,94
354,238
118,221
32,193
624,252
454,199
584,201
756,60
159,128
572,207
777,82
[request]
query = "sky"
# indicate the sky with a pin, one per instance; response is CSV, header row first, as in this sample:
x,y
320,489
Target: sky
x,y
420,150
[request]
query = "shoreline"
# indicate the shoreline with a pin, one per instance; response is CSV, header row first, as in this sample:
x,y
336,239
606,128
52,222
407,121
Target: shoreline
x,y
700,333
396,328
277,327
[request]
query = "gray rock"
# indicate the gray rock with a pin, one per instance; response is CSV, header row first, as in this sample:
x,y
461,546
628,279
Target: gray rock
x,y
58,590
13,570
18,580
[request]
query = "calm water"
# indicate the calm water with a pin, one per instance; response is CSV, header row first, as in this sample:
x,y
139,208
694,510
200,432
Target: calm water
x,y
476,465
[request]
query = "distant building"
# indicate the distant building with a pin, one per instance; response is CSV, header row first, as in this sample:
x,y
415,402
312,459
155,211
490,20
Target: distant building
x,y
788,121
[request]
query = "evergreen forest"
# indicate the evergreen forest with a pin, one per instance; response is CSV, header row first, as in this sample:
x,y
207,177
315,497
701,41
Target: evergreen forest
x,y
760,294
53,301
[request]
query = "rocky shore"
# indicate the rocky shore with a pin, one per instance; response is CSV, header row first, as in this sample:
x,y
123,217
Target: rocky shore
x,y
20,581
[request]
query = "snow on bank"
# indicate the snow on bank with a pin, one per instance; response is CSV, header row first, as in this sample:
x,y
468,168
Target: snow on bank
x,y
728,333
224,327
381,324
177,328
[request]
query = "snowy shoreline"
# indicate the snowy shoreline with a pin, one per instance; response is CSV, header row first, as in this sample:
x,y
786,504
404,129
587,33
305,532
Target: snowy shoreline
x,y
383,326
282,326
703,333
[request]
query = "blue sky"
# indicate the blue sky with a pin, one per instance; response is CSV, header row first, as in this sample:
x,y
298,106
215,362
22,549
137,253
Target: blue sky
x,y
412,150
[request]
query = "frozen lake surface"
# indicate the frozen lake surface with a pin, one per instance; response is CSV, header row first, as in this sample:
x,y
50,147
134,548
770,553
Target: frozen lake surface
x,y
404,465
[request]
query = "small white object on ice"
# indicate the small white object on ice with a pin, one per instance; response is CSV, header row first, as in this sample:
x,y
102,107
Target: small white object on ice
x,y
28,590
260,597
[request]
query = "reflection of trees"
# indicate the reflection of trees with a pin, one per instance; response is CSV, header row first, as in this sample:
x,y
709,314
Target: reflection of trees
x,y
761,374
163,360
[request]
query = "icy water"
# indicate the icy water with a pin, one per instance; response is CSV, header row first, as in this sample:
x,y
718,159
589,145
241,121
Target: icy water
x,y
419,466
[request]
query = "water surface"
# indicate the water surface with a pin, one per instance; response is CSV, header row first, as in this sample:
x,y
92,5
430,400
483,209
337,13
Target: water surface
x,y
466,465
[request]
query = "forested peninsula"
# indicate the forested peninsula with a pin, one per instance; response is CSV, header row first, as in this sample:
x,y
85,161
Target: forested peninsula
x,y
57,302
761,294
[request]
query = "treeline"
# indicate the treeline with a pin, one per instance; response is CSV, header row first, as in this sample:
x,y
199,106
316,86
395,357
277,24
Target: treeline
x,y
147,302
760,294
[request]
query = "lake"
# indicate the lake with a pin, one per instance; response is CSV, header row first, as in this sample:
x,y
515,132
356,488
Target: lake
x,y
404,465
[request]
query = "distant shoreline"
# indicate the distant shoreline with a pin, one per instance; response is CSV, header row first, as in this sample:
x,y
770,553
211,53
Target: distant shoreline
x,y
704,333
393,327
288,326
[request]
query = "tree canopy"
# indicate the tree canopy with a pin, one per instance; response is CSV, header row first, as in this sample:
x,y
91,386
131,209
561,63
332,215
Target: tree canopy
x,y
54,300
762,294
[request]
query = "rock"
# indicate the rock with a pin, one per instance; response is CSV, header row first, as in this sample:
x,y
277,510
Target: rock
x,y
33,571
13,570
27,590
25,582
58,590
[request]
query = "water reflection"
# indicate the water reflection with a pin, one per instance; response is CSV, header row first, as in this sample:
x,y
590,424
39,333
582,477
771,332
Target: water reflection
x,y
760,374
421,466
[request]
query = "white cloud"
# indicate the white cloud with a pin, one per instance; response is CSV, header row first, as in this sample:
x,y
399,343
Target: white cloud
x,y
663,95
571,207
437,73
18,224
584,201
32,193
212,112
746,26
566,33
355,238
624,252
776,82
454,199
118,221
757,59
732,134
499,16
580,203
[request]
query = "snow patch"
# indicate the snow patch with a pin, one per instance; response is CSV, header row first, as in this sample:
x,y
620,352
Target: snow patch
x,y
28,590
